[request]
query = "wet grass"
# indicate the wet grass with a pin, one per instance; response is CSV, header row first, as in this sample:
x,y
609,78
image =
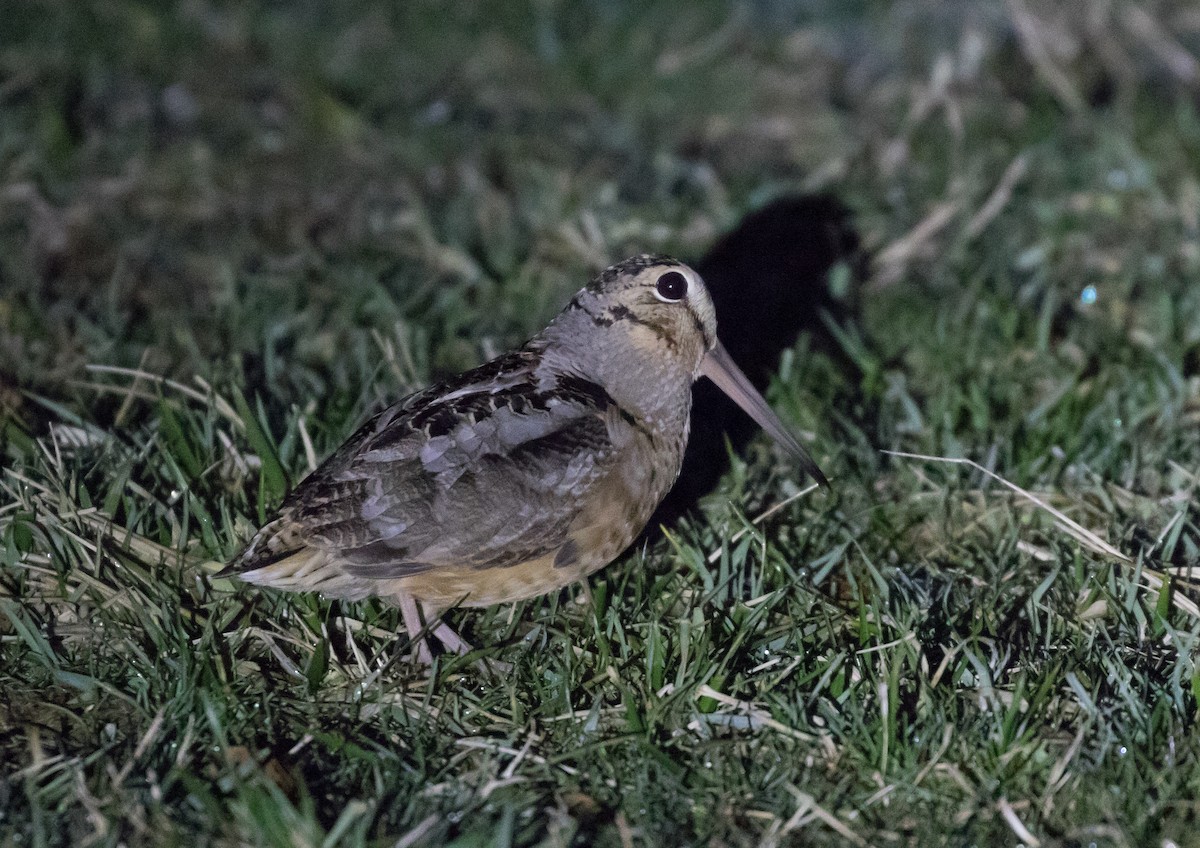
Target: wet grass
x,y
227,235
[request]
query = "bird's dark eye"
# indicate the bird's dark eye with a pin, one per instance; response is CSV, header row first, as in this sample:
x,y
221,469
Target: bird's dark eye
x,y
671,286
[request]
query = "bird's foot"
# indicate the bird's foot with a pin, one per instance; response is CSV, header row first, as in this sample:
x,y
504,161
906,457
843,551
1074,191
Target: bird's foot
x,y
420,633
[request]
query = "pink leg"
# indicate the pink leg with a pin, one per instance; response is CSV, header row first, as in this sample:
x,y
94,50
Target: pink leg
x,y
460,646
412,623
446,635
413,612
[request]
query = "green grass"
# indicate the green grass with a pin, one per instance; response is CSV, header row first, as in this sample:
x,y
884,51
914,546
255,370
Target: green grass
x,y
227,234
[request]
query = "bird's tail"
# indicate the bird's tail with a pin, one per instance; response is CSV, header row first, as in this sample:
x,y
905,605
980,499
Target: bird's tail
x,y
278,557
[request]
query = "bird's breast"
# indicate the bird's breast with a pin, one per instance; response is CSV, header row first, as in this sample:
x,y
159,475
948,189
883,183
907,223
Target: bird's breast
x,y
614,511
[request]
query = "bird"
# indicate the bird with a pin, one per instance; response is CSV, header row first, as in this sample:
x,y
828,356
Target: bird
x,y
518,477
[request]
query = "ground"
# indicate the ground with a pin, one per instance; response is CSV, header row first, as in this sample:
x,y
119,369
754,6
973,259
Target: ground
x,y
227,233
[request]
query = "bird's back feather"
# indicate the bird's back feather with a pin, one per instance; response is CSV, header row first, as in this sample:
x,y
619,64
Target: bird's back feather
x,y
486,471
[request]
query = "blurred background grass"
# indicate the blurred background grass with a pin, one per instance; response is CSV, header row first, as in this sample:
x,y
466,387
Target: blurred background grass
x,y
276,216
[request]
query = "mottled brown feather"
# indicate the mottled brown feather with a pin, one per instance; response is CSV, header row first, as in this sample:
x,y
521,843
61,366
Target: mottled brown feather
x,y
418,487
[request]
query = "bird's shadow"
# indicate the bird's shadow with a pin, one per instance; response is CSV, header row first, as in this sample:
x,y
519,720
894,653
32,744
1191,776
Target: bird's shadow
x,y
768,279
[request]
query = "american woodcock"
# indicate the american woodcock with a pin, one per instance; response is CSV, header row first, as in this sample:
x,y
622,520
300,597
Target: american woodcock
x,y
522,475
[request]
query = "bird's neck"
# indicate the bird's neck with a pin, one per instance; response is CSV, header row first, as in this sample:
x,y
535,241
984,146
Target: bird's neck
x,y
644,379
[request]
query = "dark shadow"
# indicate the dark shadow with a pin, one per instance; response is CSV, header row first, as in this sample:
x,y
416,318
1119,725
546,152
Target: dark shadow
x,y
768,279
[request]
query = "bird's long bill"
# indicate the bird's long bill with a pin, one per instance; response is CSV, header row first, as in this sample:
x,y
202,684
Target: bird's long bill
x,y
719,367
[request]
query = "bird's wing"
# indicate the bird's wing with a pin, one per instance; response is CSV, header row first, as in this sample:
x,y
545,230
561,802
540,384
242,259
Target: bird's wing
x,y
486,471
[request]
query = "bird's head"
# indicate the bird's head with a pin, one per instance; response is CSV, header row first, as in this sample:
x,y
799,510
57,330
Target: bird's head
x,y
658,305
646,328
